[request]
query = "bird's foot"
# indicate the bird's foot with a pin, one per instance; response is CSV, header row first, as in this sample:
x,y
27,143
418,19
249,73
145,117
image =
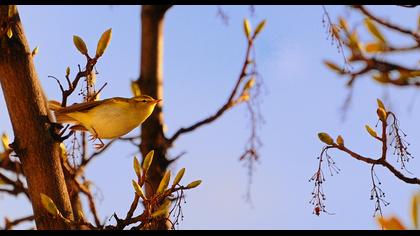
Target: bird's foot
x,y
57,132
98,146
93,137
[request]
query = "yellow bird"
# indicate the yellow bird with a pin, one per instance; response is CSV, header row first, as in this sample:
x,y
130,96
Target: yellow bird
x,y
106,119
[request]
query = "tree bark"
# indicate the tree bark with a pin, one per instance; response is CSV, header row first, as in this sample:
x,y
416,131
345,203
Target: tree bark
x,y
151,83
34,143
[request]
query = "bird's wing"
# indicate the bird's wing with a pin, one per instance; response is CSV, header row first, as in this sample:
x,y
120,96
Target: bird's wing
x,y
82,107
79,107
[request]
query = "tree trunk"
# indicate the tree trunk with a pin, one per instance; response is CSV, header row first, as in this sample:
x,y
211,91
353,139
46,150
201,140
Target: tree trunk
x,y
151,83
38,151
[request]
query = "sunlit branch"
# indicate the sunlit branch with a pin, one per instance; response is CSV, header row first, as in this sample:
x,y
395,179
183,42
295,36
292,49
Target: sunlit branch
x,y
10,224
387,23
17,186
228,104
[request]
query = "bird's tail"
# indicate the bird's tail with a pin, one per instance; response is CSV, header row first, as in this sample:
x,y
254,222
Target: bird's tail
x,y
54,105
60,117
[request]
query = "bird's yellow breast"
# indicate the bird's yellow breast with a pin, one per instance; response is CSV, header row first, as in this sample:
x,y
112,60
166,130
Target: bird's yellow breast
x,y
112,120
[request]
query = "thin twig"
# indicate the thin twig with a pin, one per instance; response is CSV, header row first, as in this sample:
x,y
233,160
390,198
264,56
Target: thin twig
x,y
224,107
387,23
133,207
91,201
9,224
17,186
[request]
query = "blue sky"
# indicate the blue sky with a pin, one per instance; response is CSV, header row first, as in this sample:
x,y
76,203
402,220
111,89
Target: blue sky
x,y
202,59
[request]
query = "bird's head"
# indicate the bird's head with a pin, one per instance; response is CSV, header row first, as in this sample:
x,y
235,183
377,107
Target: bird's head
x,y
146,101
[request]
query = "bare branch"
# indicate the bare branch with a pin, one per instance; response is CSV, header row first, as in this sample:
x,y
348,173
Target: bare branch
x,y
91,201
10,224
387,23
400,146
229,103
382,161
17,186
398,174
222,14
13,166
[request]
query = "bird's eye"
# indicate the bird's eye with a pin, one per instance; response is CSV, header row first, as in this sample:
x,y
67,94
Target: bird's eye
x,y
144,100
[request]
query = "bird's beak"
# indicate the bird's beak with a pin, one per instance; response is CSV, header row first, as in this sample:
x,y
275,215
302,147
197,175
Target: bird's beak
x,y
157,100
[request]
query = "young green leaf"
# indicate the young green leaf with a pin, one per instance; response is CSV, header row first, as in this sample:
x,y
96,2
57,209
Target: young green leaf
x,y
343,24
135,89
103,42
162,209
80,44
35,51
49,205
178,177
249,84
340,140
324,137
391,223
355,42
11,11
418,23
247,28
414,210
381,77
67,71
375,47
63,151
333,67
137,168
9,33
5,141
371,131
380,104
80,214
193,184
381,114
260,27
373,29
164,182
138,189
147,161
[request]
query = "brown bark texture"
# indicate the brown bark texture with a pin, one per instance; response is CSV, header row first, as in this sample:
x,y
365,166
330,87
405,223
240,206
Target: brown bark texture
x,y
151,83
34,142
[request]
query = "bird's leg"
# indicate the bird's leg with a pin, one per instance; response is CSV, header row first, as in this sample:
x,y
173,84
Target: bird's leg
x,y
93,137
57,134
99,145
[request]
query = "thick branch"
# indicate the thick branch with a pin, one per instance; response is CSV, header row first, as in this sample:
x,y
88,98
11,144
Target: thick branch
x,y
34,143
151,83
